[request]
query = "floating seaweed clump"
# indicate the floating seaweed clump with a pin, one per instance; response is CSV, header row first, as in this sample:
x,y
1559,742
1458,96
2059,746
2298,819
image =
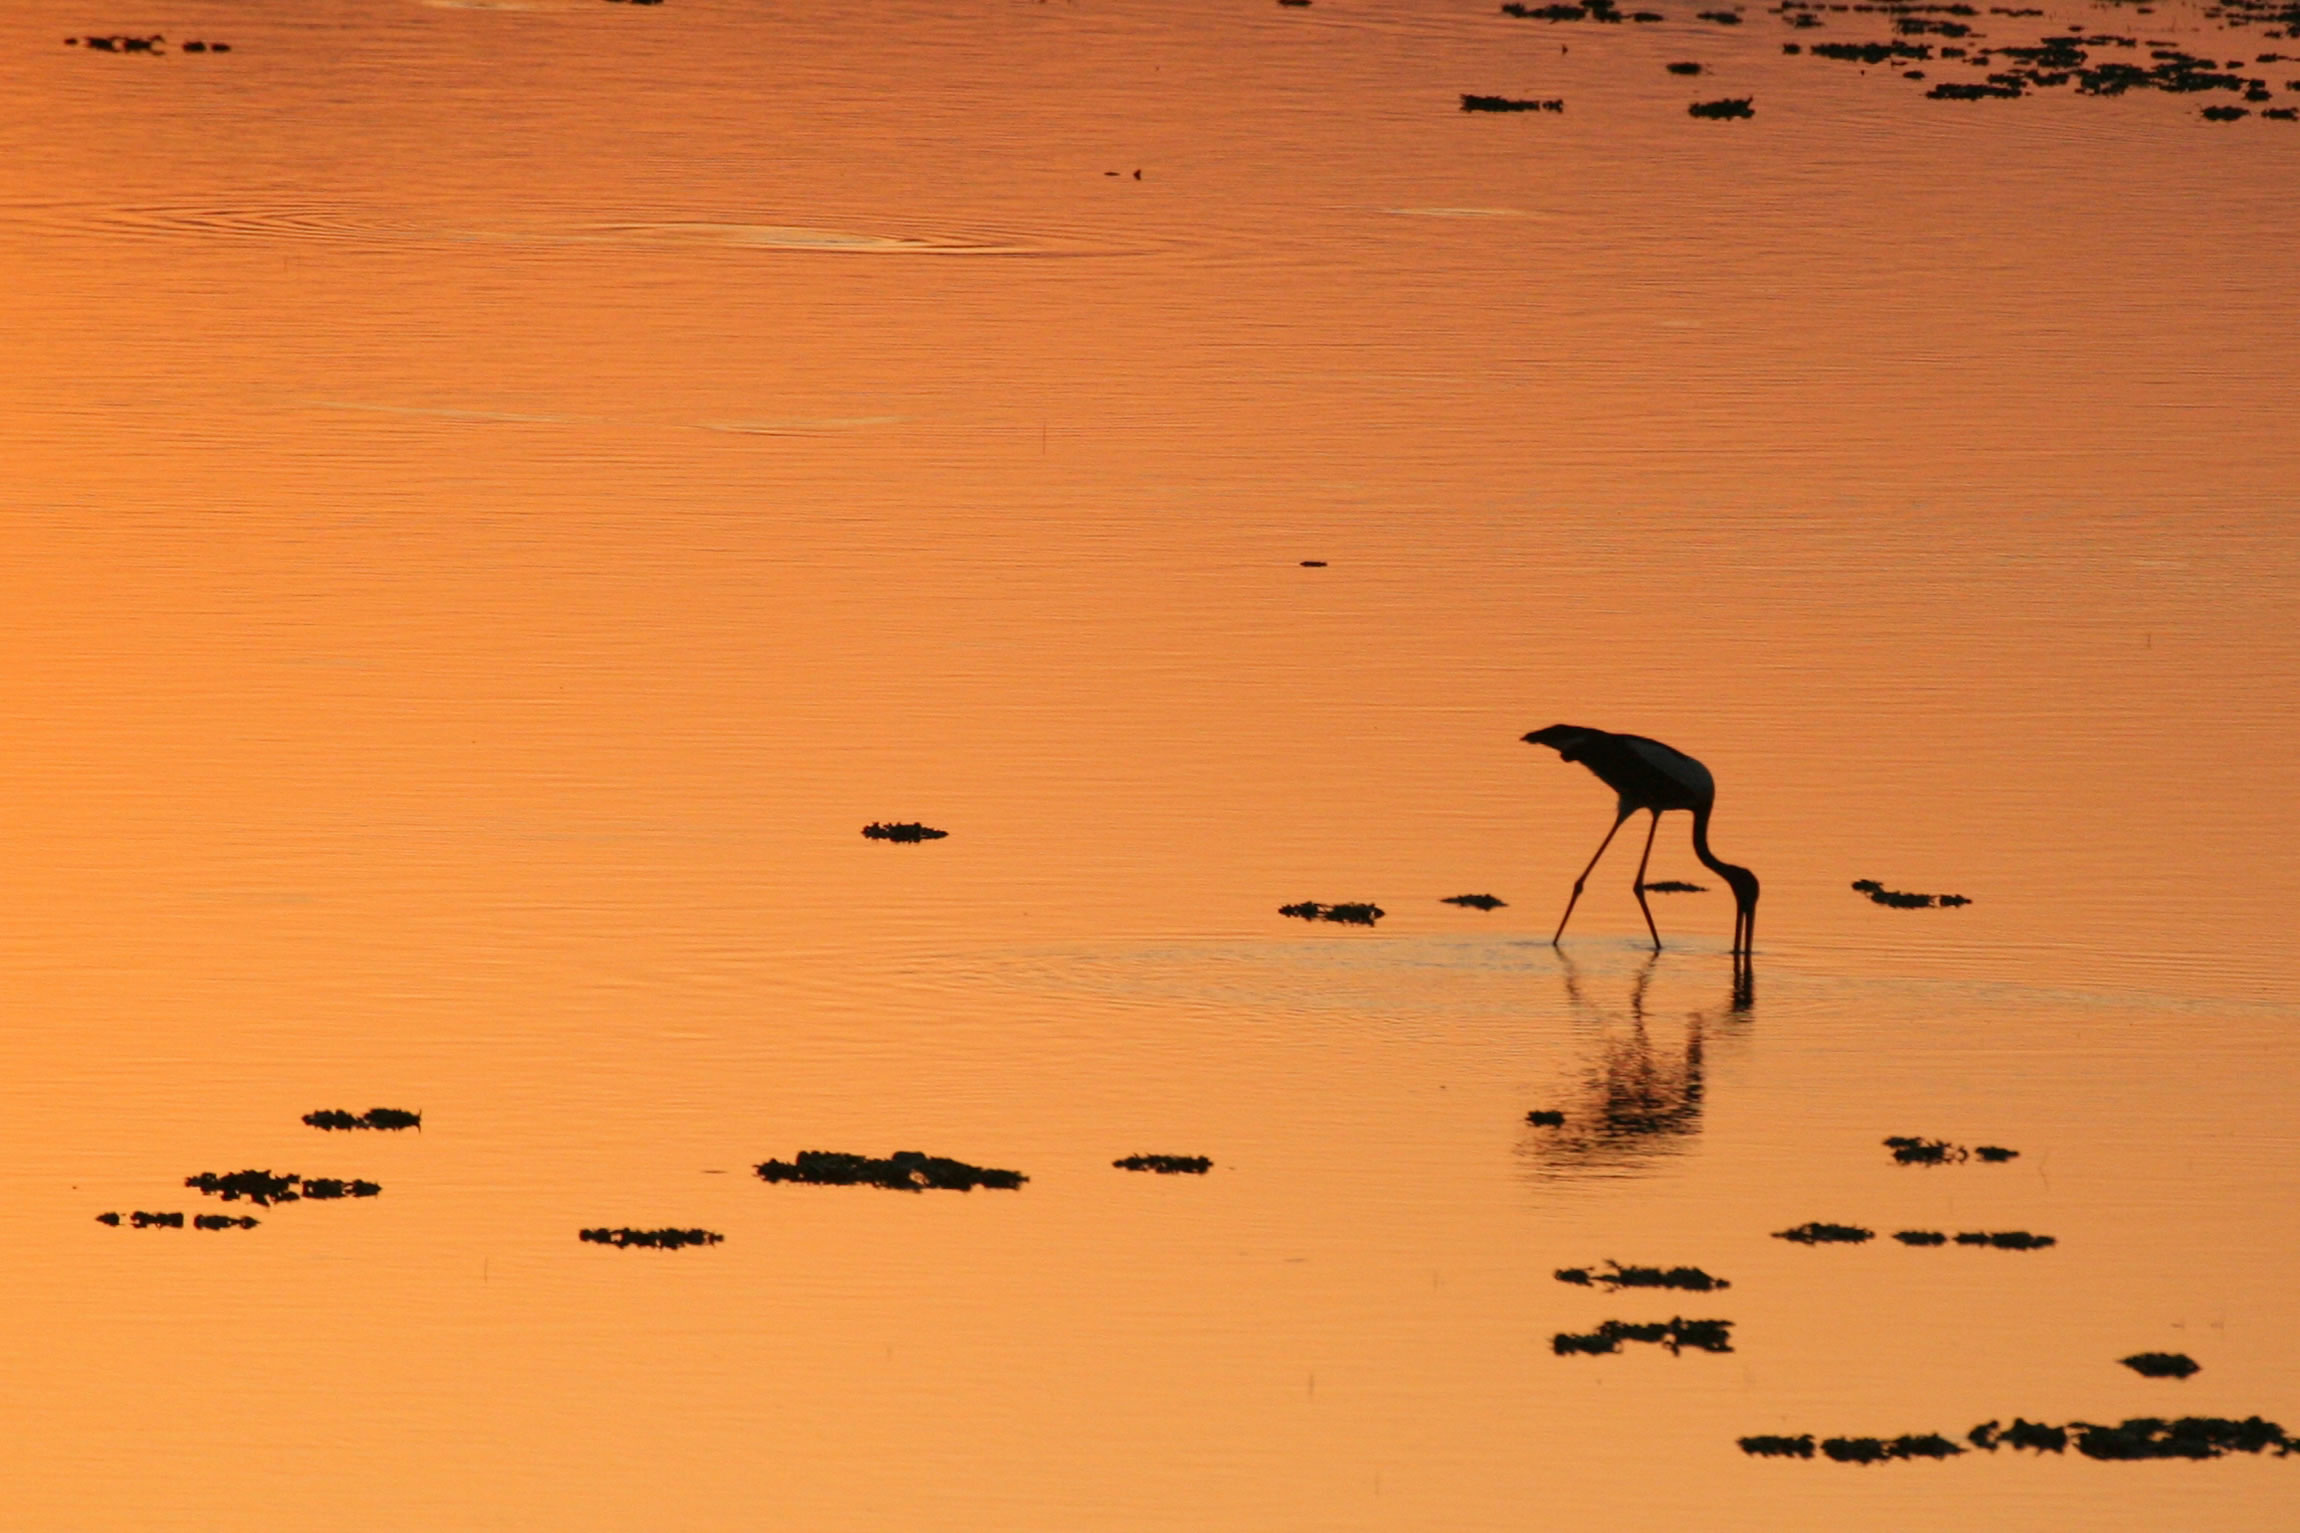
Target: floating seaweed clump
x,y
2142,1437
225,1222
2035,1436
1167,1165
1911,1151
262,1188
903,830
1877,1450
1676,1334
1471,103
2191,1437
2006,1240
1674,886
1544,1117
1363,914
903,1171
1764,1446
144,1221
1475,901
1921,1237
2162,1365
1684,68
656,1240
1818,1233
1881,895
1723,107
374,1117
1617,1277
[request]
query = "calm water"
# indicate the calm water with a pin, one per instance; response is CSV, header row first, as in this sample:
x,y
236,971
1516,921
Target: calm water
x,y
498,495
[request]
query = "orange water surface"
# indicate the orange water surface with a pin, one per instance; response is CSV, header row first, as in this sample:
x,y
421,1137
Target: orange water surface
x,y
496,496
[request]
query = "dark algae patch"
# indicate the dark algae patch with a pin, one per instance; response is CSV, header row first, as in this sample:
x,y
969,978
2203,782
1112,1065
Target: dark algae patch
x,y
1724,107
653,1240
903,1171
1364,914
2034,1436
263,1188
373,1118
1475,901
1817,1233
225,1222
1614,1276
140,1220
1921,1237
2006,1240
1895,899
1674,886
1878,1450
2141,1437
2162,1365
1764,1446
1911,1151
1471,103
1676,1334
902,830
1167,1165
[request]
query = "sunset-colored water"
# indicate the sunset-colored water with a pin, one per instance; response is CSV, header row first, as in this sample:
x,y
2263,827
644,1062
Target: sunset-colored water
x,y
497,496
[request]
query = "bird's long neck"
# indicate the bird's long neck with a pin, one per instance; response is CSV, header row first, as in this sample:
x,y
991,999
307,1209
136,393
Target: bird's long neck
x,y
1718,865
1701,850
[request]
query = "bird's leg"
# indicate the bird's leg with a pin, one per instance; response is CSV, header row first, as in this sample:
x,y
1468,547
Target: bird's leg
x,y
1584,878
1650,832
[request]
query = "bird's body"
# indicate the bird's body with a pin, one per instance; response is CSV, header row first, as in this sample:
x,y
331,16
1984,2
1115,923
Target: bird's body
x,y
1656,778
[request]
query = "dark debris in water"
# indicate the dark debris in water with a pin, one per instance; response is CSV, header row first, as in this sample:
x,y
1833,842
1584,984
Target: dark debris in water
x,y
141,1220
1167,1165
1359,914
1724,107
1545,1117
1674,886
1475,901
1908,1150
1817,1233
1897,900
1676,1334
1470,103
1765,1446
263,1188
1684,67
373,1118
1614,1276
1878,1450
2162,1365
2006,1240
654,1240
2141,1437
902,830
1921,1237
903,1171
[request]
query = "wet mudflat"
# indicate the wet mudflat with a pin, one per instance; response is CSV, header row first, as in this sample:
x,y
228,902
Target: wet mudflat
x,y
465,589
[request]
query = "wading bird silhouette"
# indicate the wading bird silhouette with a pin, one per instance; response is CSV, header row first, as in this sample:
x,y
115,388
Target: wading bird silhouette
x,y
1654,777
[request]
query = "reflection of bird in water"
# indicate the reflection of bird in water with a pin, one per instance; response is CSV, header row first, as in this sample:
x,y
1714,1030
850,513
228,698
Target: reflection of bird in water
x,y
1651,776
1638,1096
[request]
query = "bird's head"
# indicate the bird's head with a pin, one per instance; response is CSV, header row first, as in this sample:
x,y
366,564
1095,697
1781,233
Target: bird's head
x,y
1743,883
1565,739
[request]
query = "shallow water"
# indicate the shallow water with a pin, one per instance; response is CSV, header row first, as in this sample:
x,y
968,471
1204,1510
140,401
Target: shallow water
x,y
498,496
